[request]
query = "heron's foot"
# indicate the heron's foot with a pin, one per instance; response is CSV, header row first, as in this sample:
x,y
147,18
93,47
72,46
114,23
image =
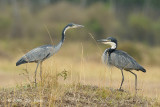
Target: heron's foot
x,y
120,89
138,89
35,84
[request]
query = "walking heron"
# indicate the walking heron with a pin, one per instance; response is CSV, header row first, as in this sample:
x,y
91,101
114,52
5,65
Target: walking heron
x,y
119,59
39,54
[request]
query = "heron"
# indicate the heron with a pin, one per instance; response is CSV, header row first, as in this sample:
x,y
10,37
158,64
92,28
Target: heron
x,y
39,54
120,59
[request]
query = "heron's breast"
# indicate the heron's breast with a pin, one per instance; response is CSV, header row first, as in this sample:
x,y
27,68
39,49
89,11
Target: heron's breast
x,y
105,58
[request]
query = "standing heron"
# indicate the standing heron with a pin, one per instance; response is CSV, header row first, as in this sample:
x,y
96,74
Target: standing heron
x,y
119,59
39,54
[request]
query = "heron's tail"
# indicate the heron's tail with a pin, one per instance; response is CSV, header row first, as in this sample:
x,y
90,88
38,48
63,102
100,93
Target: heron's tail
x,y
142,69
21,61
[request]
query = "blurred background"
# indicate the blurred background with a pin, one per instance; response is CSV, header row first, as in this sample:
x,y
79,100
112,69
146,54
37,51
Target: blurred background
x,y
132,22
24,25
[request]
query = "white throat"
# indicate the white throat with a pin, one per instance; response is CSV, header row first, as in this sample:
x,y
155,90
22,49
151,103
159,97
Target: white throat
x,y
113,45
66,29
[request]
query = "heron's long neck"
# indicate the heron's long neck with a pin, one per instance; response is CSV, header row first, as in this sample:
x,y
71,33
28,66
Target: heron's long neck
x,y
110,50
63,34
58,46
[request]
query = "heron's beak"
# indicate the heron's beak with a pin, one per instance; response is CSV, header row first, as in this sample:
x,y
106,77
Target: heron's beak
x,y
78,26
102,40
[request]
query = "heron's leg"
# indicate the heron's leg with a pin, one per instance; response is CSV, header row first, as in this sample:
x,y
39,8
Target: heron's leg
x,y
122,79
41,71
135,80
36,73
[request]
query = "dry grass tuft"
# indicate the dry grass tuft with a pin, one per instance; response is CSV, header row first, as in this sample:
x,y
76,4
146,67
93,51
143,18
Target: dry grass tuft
x,y
71,95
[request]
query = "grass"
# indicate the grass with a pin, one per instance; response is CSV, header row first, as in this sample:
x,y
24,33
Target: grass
x,y
79,83
71,95
76,77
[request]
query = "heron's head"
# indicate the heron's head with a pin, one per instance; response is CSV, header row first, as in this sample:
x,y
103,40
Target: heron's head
x,y
110,41
72,25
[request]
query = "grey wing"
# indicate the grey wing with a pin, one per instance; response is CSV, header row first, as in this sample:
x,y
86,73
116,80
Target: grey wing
x,y
39,54
122,60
